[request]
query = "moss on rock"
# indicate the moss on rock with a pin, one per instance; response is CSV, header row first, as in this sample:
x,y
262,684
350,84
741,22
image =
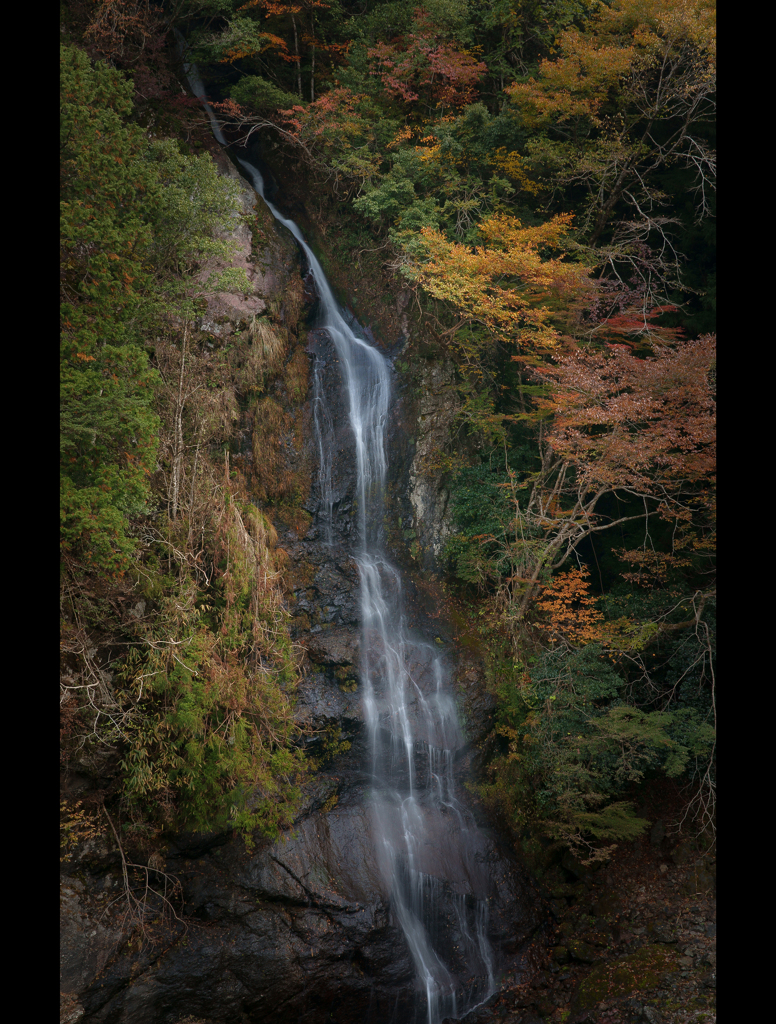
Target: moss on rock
x,y
634,973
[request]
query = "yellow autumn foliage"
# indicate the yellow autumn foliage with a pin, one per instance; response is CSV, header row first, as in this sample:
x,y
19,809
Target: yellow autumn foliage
x,y
504,283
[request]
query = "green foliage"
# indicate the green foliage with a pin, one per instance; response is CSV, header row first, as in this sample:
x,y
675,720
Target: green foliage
x,y
193,205
206,687
480,512
484,546
137,218
198,716
329,743
257,93
107,424
383,203
108,441
214,742
616,821
577,743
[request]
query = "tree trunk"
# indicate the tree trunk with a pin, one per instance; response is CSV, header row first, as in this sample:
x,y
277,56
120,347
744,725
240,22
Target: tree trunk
x,y
312,57
298,59
193,481
177,457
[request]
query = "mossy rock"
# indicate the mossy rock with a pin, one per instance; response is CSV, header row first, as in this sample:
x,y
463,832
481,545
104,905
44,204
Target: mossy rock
x,y
348,682
637,972
608,905
583,951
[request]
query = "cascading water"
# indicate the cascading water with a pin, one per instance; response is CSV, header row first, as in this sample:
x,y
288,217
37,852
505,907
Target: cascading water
x,y
426,839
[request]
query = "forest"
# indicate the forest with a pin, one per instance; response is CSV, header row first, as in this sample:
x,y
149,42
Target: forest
x,y
539,177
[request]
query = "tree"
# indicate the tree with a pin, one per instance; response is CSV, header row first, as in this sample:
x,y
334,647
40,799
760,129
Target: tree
x,y
337,134
213,742
196,710
427,66
108,427
628,97
244,39
640,428
501,284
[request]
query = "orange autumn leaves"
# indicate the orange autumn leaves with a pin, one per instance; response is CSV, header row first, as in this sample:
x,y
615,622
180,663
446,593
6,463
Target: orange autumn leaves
x,y
569,614
570,609
424,65
647,426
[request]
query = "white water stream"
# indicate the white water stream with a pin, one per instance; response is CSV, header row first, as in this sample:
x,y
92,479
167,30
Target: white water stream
x,y
424,836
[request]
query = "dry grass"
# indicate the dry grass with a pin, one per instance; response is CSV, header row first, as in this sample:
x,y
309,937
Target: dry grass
x,y
266,353
273,479
297,375
293,301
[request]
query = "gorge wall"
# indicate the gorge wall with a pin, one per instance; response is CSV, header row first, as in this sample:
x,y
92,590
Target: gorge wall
x,y
300,930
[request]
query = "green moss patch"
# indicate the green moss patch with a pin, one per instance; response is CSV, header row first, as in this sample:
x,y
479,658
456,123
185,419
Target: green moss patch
x,y
637,972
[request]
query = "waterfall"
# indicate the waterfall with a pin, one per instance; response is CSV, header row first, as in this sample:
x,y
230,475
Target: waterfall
x,y
422,831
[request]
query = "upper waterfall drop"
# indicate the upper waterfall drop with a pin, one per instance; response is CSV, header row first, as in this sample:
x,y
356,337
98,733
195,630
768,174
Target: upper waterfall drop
x,y
427,842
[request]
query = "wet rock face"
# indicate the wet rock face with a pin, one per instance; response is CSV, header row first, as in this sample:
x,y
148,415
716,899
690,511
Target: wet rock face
x,y
85,944
298,931
339,447
427,493
289,933
336,647
269,259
